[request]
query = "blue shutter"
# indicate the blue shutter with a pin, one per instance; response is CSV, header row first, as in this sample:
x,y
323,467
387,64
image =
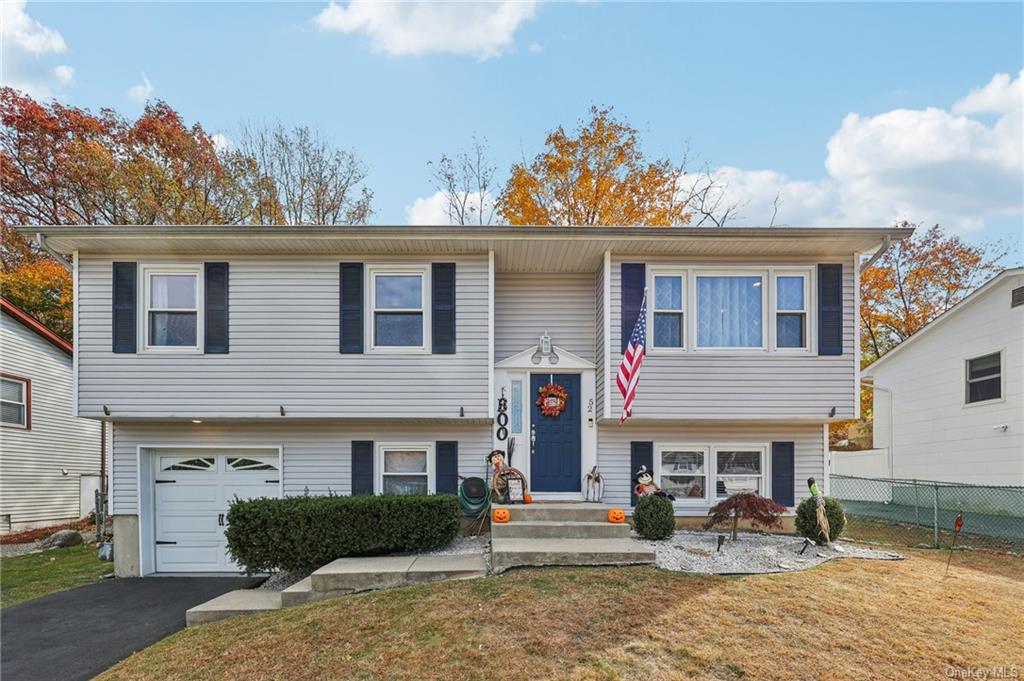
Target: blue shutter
x,y
830,309
446,467
634,278
640,454
362,467
215,322
783,476
124,330
442,282
351,310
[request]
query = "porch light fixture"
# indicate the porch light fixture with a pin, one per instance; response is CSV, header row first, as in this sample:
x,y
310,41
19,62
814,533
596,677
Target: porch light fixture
x,y
281,408
197,420
106,410
545,348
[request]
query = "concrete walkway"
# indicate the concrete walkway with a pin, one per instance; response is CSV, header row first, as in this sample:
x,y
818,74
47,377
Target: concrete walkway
x,y
79,633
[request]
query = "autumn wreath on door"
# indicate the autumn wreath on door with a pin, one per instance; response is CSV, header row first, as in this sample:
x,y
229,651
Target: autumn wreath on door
x,y
552,399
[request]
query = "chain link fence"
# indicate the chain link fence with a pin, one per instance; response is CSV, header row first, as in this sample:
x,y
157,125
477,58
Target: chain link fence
x,y
923,513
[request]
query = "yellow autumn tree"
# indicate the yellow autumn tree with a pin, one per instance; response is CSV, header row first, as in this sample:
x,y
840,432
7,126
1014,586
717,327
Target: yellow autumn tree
x,y
42,288
596,175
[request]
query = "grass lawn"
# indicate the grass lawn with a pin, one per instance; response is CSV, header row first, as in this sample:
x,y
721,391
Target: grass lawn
x,y
38,574
846,619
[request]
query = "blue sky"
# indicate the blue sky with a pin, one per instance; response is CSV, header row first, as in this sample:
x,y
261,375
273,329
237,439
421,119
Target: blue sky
x,y
856,114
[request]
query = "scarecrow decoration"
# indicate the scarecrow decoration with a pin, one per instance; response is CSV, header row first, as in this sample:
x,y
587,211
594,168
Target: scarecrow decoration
x,y
508,485
819,510
646,487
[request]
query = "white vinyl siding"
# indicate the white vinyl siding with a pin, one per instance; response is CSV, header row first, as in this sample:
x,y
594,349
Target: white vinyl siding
x,y
527,305
284,331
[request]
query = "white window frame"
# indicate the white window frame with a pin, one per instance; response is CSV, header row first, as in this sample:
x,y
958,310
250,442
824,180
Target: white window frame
x,y
378,464
766,294
684,275
1002,378
26,402
146,273
709,483
804,272
422,271
765,475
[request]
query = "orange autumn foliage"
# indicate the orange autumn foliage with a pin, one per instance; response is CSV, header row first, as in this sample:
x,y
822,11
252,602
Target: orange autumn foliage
x,y
43,289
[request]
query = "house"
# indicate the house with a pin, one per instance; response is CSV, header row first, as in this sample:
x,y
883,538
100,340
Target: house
x,y
949,401
49,458
352,360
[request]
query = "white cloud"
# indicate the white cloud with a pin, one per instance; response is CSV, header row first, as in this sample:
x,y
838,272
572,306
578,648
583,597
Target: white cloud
x,y
141,91
222,142
929,165
536,48
433,209
477,29
26,50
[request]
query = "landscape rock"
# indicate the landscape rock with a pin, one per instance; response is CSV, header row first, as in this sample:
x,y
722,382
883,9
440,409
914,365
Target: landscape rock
x,y
61,539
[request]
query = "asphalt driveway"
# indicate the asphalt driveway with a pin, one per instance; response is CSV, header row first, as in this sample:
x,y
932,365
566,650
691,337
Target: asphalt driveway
x,y
79,633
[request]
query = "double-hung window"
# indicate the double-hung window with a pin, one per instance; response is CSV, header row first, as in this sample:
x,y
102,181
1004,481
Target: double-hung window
x,y
398,306
730,310
669,294
405,469
683,471
14,402
791,293
172,308
739,469
984,378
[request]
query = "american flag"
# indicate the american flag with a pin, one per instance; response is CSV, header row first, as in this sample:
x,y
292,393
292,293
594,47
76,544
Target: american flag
x,y
629,370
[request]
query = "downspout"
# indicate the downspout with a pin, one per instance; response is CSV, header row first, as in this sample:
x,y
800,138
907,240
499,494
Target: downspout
x,y
41,241
886,242
892,402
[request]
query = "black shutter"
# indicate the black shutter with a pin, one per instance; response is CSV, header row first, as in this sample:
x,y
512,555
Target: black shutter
x,y
216,319
446,467
830,309
125,282
783,475
634,278
362,467
442,278
351,310
640,454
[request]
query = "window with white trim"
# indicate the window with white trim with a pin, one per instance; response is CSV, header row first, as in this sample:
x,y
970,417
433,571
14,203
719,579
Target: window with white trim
x,y
683,472
398,302
739,469
14,402
730,310
405,469
791,304
984,378
668,307
172,319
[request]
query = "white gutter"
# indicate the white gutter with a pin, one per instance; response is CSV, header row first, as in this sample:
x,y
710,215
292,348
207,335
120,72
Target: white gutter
x,y
41,240
886,242
892,402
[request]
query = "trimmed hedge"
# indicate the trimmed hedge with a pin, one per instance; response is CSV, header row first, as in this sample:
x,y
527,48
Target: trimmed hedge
x,y
807,519
654,517
266,535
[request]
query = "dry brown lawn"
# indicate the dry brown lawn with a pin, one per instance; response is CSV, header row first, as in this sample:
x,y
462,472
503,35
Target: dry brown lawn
x,y
846,619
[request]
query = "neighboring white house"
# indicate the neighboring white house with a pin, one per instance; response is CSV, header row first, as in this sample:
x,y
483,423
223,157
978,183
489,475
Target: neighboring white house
x,y
49,458
949,401
274,361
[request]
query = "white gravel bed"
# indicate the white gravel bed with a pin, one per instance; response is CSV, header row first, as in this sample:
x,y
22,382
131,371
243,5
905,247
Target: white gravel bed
x,y
279,581
751,553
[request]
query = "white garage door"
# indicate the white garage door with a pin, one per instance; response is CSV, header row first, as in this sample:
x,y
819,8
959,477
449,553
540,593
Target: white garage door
x,y
192,492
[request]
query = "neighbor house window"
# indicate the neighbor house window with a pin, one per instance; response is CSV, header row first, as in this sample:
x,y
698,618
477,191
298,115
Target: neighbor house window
x,y
405,470
172,312
984,378
398,304
684,472
669,292
791,311
15,402
739,470
729,311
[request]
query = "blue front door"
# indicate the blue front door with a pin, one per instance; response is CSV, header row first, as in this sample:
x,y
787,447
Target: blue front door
x,y
555,462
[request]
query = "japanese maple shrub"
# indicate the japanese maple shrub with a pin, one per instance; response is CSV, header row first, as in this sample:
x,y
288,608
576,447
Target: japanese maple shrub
x,y
758,510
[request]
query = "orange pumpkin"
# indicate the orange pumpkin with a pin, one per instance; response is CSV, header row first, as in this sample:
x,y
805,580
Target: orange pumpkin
x,y
527,499
616,516
500,515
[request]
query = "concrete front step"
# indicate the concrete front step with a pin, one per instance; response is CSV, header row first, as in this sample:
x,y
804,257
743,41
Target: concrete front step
x,y
240,602
557,529
363,574
566,512
509,553
302,592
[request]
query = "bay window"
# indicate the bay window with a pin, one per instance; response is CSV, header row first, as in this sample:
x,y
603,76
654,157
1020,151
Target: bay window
x,y
791,293
398,304
405,469
669,293
730,310
172,313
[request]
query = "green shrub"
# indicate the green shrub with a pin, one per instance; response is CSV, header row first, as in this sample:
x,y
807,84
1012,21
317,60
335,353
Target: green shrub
x,y
266,535
807,519
654,517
